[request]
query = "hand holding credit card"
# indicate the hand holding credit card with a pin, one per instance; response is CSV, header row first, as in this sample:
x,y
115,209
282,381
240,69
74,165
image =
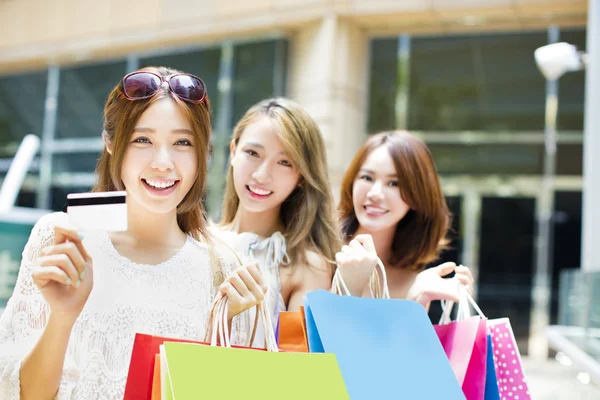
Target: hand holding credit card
x,y
98,211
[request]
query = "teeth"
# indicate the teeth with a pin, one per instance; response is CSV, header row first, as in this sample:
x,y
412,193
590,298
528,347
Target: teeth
x,y
162,184
259,191
375,209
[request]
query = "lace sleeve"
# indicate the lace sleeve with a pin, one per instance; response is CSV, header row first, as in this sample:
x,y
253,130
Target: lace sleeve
x,y
26,314
228,261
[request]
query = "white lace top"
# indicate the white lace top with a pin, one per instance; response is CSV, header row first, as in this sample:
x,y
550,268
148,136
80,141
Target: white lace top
x,y
269,254
171,299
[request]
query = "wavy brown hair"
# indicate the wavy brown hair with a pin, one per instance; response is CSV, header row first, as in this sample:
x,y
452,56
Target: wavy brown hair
x,y
421,235
308,212
120,117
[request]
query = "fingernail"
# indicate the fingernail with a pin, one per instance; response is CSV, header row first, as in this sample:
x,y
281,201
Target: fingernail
x,y
69,281
78,283
82,275
80,235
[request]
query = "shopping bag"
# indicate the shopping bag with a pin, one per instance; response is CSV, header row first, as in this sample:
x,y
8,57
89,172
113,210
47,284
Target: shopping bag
x,y
465,344
199,371
193,371
385,348
458,340
156,384
139,385
491,382
292,332
507,360
141,367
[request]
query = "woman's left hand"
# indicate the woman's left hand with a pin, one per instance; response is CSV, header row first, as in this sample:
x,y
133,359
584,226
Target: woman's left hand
x,y
431,285
244,289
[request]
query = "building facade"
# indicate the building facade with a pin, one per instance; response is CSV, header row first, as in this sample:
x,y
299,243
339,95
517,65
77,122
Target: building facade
x,y
460,73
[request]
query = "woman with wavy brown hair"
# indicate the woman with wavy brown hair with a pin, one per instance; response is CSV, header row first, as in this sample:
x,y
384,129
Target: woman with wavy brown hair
x,y
392,207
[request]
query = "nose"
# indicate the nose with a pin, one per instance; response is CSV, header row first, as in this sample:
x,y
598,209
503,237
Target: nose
x,y
162,160
375,192
262,173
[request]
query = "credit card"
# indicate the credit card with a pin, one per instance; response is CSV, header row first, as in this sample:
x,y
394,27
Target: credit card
x,y
98,211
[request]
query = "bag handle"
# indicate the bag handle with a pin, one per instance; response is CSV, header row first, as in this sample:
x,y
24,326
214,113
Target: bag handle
x,y
219,327
378,286
464,312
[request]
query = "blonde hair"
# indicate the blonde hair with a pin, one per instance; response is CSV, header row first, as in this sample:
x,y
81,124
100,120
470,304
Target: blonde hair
x,y
308,212
120,117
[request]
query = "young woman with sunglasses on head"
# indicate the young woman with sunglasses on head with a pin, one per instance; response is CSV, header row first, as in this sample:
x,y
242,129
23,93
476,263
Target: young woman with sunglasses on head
x,y
392,207
58,337
278,209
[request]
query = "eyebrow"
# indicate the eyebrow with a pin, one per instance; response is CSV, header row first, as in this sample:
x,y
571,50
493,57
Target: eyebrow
x,y
179,131
370,171
260,146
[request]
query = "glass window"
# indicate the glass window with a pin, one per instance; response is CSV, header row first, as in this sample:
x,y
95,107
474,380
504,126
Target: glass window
x,y
202,63
13,237
476,82
505,262
569,159
567,241
571,91
82,94
488,158
255,74
59,196
22,100
383,85
75,162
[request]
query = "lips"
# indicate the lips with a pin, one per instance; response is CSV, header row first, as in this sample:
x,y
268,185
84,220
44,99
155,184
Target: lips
x,y
160,187
374,211
160,184
258,192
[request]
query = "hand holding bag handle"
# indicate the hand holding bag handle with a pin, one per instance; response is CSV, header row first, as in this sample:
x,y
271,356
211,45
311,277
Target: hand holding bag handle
x,y
378,285
464,311
219,327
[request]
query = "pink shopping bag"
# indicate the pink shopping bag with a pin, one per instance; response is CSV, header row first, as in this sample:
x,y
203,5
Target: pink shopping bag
x,y
507,360
465,344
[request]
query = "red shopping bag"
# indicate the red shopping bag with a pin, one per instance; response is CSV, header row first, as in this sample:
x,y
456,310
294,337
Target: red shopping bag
x,y
507,360
146,347
141,367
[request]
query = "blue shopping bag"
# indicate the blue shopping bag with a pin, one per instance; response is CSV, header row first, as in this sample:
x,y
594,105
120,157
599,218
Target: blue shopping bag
x,y
386,349
491,380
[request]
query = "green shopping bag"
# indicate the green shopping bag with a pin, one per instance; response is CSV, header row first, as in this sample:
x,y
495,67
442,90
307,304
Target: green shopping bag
x,y
195,371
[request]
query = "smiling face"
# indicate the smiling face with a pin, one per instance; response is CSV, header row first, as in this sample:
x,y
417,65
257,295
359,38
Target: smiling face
x,y
161,163
263,174
376,197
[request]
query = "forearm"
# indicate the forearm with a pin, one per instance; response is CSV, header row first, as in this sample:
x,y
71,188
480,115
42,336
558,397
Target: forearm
x,y
42,369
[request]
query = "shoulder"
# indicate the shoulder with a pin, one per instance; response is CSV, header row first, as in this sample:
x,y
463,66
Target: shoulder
x,y
42,234
51,220
315,272
44,228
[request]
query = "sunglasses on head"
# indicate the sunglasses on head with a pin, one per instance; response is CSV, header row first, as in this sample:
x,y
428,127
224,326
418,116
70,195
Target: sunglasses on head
x,y
142,85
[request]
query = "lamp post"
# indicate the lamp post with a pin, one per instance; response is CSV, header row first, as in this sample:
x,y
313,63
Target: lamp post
x,y
553,60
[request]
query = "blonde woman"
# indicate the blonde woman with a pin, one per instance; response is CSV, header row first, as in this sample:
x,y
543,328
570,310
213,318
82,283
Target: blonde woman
x,y
278,210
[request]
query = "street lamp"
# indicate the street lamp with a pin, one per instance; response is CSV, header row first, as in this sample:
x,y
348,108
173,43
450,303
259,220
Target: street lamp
x,y
553,60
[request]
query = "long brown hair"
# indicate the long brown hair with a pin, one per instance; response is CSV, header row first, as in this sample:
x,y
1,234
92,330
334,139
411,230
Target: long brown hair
x,y
421,235
120,117
308,212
